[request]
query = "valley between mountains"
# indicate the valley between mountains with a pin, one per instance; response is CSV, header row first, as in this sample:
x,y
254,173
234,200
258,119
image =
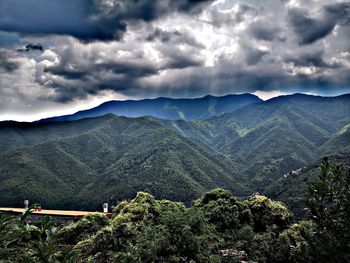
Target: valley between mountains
x,y
82,161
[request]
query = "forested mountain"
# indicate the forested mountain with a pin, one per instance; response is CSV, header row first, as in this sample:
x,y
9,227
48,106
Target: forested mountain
x,y
274,137
338,142
65,163
217,227
292,188
17,134
112,159
167,108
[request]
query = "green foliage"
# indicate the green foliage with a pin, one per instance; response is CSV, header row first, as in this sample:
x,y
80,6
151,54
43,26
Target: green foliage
x,y
6,230
293,188
83,229
268,214
31,242
122,156
269,139
230,216
329,203
146,229
61,164
43,246
293,244
339,142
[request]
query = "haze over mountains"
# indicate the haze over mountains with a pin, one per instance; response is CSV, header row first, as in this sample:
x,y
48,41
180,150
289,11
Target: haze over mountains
x,y
182,149
167,108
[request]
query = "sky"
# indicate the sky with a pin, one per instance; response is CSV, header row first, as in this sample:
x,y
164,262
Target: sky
x,y
61,56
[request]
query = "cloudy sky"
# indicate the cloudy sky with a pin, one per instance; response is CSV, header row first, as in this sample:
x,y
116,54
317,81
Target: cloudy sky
x,y
60,56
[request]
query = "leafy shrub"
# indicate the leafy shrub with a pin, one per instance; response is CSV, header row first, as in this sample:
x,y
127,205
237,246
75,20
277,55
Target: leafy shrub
x,y
83,229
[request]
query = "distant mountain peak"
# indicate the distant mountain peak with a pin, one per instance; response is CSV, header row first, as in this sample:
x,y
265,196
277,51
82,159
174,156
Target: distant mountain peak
x,y
167,108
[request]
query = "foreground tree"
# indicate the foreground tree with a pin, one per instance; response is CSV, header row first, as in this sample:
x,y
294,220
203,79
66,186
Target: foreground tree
x,y
329,203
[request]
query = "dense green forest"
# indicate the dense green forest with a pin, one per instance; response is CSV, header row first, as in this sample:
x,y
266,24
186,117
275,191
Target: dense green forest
x,y
217,227
292,188
269,139
63,164
115,159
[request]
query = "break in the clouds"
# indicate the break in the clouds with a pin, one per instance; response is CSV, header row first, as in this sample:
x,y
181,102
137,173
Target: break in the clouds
x,y
59,56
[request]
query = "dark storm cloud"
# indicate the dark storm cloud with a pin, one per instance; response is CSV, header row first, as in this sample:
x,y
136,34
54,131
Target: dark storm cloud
x,y
173,37
181,61
233,78
341,11
85,19
6,62
310,29
174,48
40,17
66,73
147,10
162,35
77,75
129,69
308,58
122,68
278,63
251,54
264,31
78,84
254,56
91,85
29,47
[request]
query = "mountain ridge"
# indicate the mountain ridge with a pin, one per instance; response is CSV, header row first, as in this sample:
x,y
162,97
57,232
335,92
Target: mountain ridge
x,y
112,161
166,108
245,151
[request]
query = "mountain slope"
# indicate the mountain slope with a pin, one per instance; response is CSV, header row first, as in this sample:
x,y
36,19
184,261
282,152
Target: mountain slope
x,y
18,134
316,118
292,187
110,162
267,139
110,158
339,142
167,108
322,110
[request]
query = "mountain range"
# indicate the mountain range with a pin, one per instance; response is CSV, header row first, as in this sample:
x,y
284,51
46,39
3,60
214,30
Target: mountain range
x,y
77,162
167,108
